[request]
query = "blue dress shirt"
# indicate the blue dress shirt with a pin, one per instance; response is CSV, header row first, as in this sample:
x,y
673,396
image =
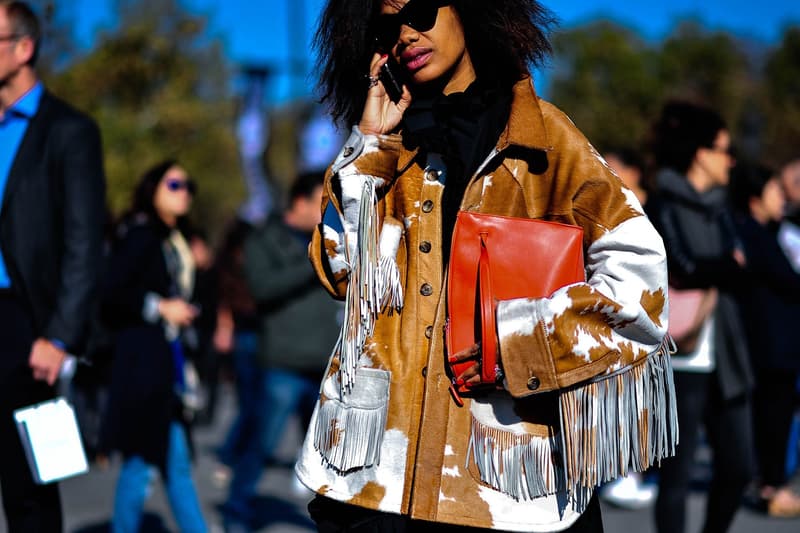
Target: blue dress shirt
x,y
13,126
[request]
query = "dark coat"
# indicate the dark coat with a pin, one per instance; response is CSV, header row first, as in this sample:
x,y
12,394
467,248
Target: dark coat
x,y
51,223
770,300
298,319
142,402
700,237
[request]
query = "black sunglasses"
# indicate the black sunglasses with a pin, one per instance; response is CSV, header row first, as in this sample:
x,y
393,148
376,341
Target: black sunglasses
x,y
418,14
176,185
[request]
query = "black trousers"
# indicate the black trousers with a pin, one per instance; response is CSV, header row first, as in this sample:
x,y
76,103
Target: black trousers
x,y
774,404
729,430
332,516
29,508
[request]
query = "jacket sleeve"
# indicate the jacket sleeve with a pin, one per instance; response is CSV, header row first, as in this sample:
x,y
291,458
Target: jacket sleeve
x,y
363,157
83,187
617,316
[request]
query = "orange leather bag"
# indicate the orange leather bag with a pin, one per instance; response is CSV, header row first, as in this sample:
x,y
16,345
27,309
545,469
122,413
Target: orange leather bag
x,y
495,258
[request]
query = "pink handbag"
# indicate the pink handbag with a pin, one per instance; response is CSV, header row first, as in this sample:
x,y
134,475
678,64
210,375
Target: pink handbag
x,y
688,310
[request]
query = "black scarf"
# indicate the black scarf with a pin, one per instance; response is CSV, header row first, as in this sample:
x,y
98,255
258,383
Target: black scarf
x,y
463,128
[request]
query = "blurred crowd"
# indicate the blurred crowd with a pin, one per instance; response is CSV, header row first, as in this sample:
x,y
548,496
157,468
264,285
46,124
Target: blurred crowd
x,y
176,318
730,228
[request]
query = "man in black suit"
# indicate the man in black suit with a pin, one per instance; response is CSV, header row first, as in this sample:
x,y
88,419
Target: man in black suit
x,y
51,219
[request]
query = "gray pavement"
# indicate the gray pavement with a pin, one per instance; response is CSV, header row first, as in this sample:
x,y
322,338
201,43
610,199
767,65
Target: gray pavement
x,y
282,507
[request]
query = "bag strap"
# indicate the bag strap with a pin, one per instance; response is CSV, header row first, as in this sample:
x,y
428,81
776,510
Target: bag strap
x,y
488,327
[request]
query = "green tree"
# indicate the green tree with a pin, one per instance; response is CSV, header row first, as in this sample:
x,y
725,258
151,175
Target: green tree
x,y
613,84
708,68
158,87
781,99
59,46
605,80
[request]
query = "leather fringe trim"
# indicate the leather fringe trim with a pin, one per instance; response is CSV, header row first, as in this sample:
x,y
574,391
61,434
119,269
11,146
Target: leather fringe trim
x,y
390,285
364,296
519,465
349,437
621,423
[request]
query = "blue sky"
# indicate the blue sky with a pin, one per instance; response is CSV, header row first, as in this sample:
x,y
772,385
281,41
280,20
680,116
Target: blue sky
x,y
263,31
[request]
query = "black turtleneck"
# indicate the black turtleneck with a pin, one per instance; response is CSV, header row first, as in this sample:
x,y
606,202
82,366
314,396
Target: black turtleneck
x,y
463,128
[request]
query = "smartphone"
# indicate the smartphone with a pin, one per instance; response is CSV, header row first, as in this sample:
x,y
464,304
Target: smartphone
x,y
391,75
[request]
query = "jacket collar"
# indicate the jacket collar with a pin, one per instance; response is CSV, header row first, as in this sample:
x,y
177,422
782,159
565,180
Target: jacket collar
x,y
525,122
28,104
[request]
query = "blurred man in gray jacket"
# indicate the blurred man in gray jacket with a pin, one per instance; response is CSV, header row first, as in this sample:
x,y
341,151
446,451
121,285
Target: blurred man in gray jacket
x,y
299,324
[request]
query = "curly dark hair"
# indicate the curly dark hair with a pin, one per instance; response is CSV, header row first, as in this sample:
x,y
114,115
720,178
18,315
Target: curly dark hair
x,y
504,37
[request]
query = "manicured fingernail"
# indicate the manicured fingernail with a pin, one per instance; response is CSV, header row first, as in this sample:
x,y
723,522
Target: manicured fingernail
x,y
453,359
459,382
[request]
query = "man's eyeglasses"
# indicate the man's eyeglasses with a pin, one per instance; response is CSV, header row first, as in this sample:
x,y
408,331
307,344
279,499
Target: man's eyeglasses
x,y
175,185
9,38
418,14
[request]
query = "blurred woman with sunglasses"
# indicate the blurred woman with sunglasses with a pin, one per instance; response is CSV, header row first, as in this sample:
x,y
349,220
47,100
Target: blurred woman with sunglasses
x,y
147,301
388,448
691,147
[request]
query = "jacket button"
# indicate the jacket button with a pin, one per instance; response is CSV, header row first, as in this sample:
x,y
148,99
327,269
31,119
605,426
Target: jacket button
x,y
429,332
424,371
348,151
427,206
432,174
533,383
425,247
426,289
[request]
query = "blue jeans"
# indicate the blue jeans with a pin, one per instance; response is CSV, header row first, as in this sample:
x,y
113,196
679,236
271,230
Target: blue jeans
x,y
282,393
248,385
132,489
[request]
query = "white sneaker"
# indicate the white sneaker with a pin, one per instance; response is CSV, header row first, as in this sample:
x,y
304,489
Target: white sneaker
x,y
629,492
299,490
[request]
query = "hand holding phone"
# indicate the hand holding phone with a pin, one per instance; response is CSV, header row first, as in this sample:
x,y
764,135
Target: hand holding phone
x,y
377,117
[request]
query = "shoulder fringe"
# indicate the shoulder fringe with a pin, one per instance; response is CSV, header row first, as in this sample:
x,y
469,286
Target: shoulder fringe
x,y
621,423
391,288
362,300
374,283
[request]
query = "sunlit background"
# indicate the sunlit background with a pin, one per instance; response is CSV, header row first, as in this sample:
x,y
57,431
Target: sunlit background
x,y
278,32
167,77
